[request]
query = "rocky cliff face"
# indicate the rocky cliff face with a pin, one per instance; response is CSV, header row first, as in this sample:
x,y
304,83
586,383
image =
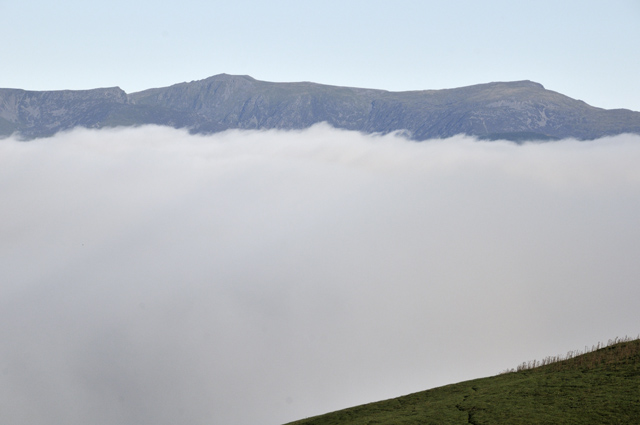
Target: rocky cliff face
x,y
518,111
37,114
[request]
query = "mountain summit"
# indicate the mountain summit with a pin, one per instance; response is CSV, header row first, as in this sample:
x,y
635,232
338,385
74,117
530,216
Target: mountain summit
x,y
518,111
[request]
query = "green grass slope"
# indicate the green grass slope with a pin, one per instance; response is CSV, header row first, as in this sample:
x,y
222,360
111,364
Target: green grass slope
x,y
599,387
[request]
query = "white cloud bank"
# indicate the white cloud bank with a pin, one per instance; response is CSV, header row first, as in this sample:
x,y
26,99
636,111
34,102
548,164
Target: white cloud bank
x,y
153,277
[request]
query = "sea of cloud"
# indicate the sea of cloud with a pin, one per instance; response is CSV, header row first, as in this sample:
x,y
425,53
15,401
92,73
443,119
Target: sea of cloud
x,y
149,276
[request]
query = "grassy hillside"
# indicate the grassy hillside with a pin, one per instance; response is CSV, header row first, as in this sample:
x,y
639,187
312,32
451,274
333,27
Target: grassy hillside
x,y
601,386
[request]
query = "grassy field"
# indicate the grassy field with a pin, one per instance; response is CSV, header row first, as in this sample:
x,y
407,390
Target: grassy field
x,y
598,386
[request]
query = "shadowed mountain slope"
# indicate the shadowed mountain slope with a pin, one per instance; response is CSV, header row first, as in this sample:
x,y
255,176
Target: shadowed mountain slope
x,y
600,387
518,111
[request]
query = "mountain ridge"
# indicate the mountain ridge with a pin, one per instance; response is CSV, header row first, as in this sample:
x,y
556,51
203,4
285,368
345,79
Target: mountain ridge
x,y
599,386
518,110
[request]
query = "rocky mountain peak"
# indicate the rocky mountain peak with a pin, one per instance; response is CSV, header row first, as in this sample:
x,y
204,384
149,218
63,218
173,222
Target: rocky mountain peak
x,y
517,110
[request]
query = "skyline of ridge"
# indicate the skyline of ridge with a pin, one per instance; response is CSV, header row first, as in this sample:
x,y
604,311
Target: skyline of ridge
x,y
518,111
319,83
585,50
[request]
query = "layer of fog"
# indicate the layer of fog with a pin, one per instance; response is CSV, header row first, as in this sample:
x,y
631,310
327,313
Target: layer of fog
x,y
153,277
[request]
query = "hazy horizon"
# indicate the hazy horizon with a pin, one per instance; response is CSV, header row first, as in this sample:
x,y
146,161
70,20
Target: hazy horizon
x,y
151,276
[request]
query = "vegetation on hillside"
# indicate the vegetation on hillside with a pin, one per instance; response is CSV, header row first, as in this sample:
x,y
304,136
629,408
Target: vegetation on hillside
x,y
600,385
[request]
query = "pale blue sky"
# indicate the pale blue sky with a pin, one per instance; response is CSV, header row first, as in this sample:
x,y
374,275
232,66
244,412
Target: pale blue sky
x,y
585,49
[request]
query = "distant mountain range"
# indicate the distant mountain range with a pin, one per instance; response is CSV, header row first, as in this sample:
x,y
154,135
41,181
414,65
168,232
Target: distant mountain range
x,y
518,111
